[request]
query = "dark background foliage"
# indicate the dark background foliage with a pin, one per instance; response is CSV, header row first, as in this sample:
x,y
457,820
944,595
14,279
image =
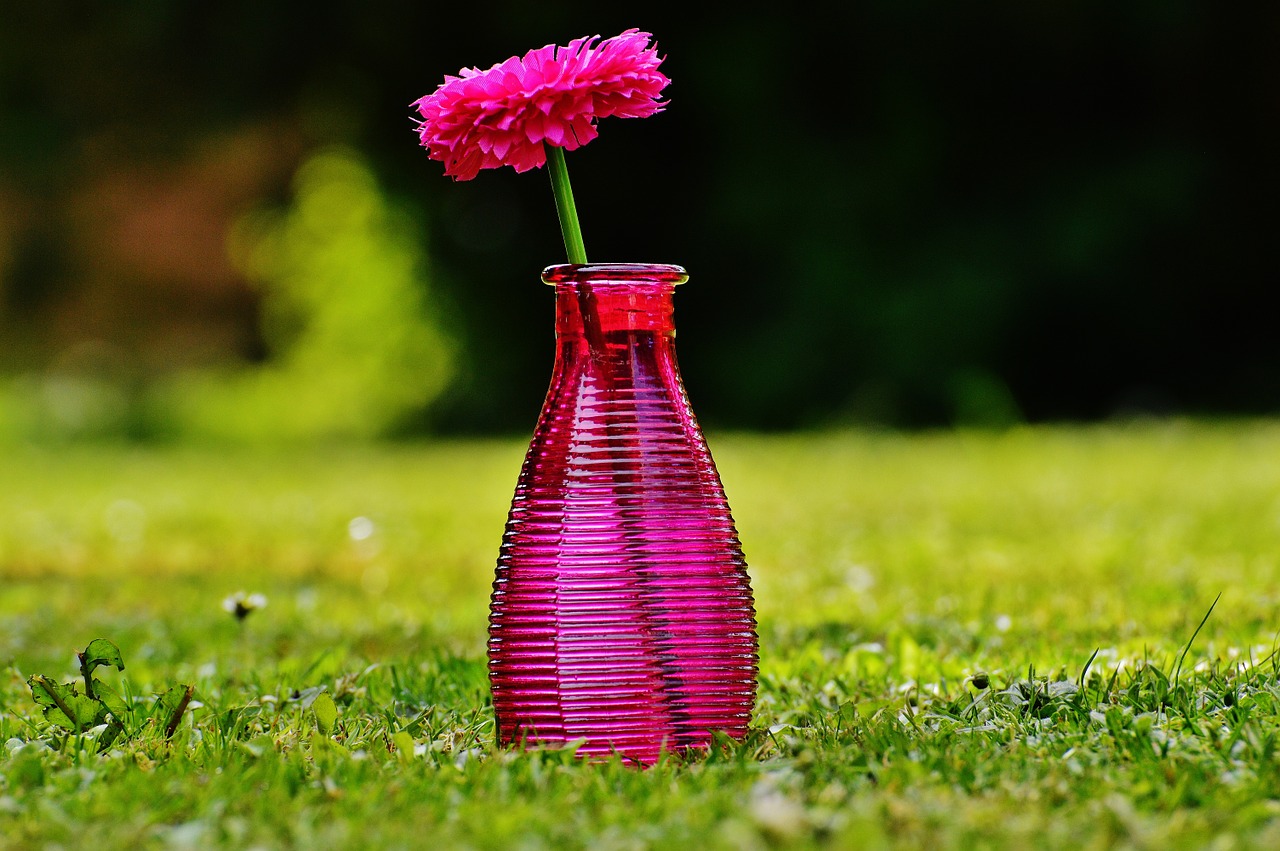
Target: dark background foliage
x,y
906,213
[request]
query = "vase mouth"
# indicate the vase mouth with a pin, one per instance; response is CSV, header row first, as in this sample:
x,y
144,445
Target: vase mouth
x,y
610,273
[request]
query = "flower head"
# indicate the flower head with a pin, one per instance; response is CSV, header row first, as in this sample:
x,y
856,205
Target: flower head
x,y
550,96
241,604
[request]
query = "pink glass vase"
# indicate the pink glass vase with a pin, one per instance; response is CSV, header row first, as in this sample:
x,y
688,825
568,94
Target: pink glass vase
x,y
622,614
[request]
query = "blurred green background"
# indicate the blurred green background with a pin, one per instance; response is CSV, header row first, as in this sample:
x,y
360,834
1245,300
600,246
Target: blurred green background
x,y
216,223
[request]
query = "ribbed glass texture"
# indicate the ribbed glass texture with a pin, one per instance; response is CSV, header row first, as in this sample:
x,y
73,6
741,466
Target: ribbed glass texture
x,y
622,613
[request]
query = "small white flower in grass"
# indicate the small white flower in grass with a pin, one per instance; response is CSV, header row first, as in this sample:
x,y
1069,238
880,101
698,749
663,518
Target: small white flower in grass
x,y
361,528
241,604
1003,623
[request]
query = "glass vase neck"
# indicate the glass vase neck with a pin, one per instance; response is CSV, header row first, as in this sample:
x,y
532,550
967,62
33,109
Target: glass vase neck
x,y
606,298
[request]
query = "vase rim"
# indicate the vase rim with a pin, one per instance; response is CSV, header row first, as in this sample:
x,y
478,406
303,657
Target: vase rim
x,y
614,273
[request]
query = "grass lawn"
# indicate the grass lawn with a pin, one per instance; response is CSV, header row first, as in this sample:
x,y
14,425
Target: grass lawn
x,y
969,640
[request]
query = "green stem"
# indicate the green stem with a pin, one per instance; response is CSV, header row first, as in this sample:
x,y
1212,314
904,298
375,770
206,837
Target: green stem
x,y
565,207
176,718
87,673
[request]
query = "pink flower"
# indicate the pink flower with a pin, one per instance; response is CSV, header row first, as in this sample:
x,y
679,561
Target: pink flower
x,y
503,116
